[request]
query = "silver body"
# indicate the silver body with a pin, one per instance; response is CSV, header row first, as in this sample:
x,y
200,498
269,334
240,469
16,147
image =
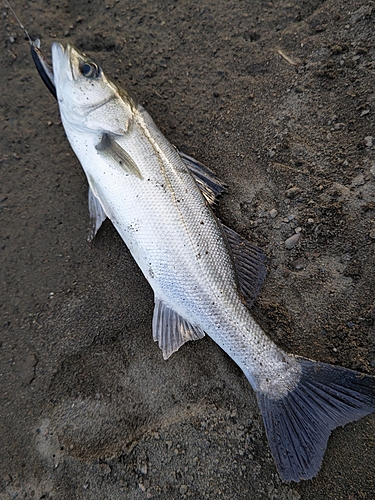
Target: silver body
x,y
164,220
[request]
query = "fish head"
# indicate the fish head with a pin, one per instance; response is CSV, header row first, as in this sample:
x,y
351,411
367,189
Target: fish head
x,y
88,100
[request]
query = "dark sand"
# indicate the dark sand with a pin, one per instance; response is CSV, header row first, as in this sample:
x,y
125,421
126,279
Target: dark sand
x,y
88,407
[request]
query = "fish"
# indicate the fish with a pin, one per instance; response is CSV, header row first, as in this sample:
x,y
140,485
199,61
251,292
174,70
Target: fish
x,y
205,277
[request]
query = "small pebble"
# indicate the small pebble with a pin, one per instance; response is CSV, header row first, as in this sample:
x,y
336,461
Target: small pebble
x,y
372,234
292,192
288,219
292,241
273,212
299,264
372,170
143,469
369,140
359,180
183,489
298,229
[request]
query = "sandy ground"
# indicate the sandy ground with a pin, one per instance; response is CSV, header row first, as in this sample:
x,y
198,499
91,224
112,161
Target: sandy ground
x,y
88,407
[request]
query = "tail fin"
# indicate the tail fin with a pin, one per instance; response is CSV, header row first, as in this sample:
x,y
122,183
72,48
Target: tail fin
x,y
298,425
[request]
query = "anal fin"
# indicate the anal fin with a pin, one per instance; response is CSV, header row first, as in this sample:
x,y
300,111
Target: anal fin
x,y
170,330
250,263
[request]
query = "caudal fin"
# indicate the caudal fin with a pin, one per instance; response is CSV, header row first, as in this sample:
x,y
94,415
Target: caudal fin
x,y
298,425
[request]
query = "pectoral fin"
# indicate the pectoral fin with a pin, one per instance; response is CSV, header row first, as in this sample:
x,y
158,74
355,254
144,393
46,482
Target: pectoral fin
x,y
170,330
97,215
109,147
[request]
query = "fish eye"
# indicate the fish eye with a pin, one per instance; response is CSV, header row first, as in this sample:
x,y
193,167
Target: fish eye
x,y
90,70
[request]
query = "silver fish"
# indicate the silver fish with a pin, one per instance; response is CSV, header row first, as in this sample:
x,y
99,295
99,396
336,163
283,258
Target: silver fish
x,y
204,275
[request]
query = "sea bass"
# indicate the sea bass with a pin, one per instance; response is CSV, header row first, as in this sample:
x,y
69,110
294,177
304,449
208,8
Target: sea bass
x,y
204,275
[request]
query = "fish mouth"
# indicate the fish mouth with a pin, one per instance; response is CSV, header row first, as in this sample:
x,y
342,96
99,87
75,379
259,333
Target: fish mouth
x,y
64,62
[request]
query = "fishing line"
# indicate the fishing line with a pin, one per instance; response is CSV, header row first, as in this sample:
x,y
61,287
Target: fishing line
x,y
19,22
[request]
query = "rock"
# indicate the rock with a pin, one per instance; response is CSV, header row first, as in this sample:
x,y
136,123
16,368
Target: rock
x,y
183,489
299,264
292,192
292,241
359,180
143,469
369,140
273,212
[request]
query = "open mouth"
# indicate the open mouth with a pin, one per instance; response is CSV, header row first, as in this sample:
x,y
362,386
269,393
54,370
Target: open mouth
x,y
44,69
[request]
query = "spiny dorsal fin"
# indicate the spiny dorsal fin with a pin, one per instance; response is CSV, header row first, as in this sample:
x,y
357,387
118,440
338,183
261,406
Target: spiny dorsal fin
x,y
209,184
250,263
170,330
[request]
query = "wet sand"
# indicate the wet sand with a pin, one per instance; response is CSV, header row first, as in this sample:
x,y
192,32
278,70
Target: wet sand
x,y
278,99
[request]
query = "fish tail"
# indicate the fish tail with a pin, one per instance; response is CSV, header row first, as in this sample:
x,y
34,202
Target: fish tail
x,y
299,424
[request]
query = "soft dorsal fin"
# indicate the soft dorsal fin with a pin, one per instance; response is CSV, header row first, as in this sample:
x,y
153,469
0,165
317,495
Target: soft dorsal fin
x,y
208,182
170,330
250,263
